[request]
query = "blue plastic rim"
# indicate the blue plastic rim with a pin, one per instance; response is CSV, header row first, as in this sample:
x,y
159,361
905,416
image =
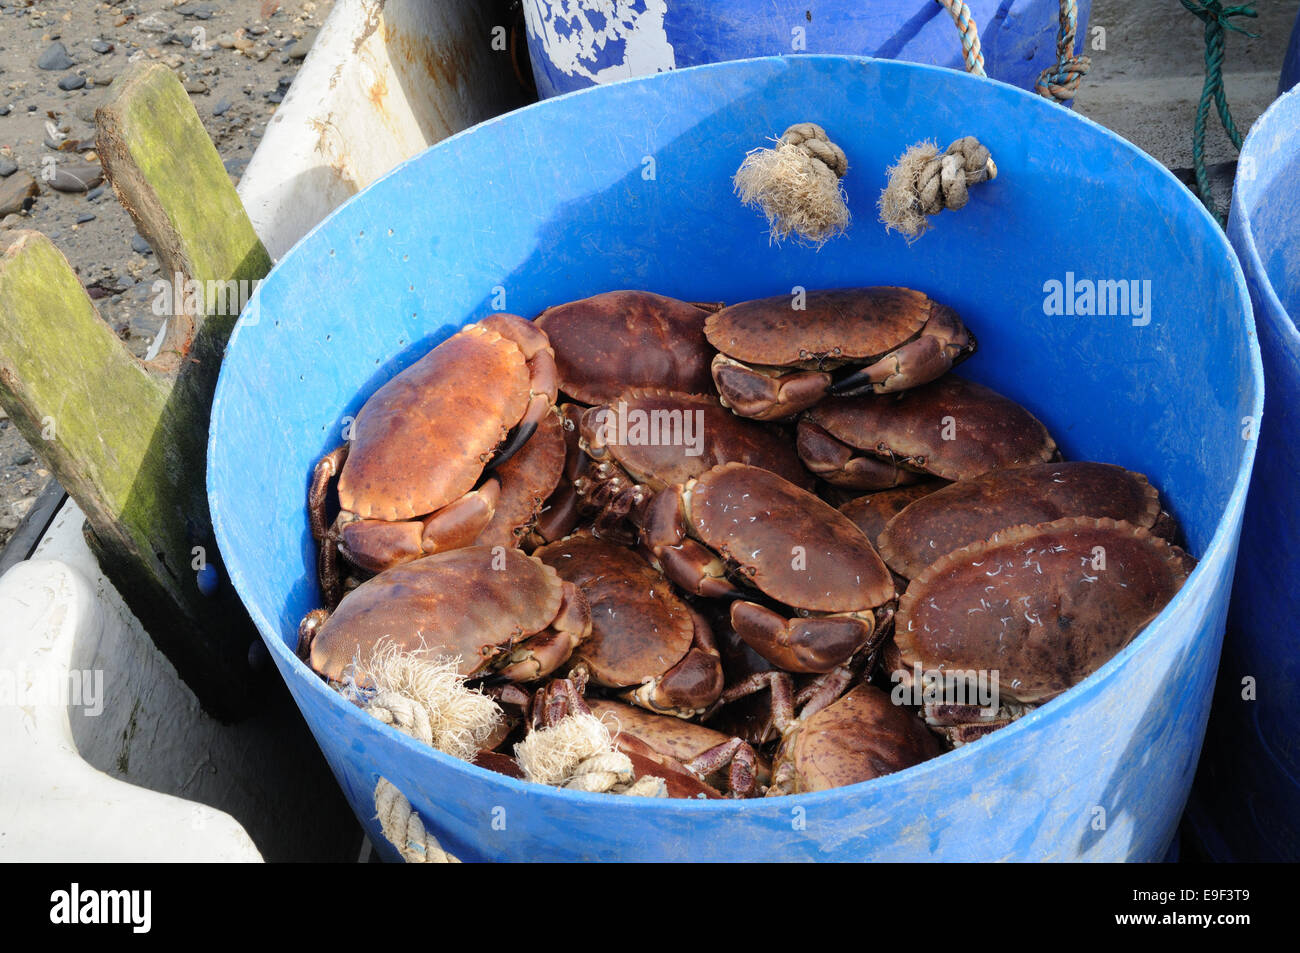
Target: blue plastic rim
x,y
517,214
578,44
1246,804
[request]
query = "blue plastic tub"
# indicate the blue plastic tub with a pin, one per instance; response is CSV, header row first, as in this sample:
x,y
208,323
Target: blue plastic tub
x,y
579,44
512,209
1246,804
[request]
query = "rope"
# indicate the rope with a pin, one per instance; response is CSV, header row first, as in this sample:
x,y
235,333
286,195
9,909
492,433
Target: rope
x,y
578,753
1217,20
1061,82
924,183
970,35
404,829
797,184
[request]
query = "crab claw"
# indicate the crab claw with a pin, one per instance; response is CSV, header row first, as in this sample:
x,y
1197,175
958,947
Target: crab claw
x,y
943,343
546,651
815,645
767,395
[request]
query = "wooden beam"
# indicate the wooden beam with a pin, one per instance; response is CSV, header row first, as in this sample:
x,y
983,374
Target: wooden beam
x,y
128,440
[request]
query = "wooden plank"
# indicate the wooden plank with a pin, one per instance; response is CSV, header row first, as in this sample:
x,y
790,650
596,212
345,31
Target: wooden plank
x,y
129,447
167,174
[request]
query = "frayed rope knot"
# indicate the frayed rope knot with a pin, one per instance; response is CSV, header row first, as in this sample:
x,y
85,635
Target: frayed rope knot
x,y
578,753
797,184
404,829
425,698
924,183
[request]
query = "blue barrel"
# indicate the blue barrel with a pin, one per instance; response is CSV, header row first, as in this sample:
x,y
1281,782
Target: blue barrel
x,y
513,214
1246,804
578,44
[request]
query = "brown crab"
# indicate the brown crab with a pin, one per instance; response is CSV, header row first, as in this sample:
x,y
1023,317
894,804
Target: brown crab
x,y
775,360
618,340
649,439
644,639
409,480
1040,607
861,736
951,428
972,510
788,547
497,610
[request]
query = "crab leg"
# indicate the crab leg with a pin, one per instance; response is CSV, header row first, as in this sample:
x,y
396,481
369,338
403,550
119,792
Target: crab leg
x,y
327,557
734,754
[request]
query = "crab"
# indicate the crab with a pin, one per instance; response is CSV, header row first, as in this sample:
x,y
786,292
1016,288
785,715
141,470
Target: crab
x,y
610,342
411,480
649,439
644,639
972,510
862,736
498,611
1040,607
951,428
789,547
776,359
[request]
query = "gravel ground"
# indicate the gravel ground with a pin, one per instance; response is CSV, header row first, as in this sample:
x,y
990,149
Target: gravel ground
x,y
57,57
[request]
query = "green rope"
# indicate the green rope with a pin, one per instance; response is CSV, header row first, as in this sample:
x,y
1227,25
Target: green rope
x,y
1217,20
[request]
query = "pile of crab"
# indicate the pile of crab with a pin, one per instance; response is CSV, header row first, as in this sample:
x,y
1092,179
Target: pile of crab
x,y
777,544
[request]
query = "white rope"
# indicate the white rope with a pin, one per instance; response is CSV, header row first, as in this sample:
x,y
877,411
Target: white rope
x,y
404,829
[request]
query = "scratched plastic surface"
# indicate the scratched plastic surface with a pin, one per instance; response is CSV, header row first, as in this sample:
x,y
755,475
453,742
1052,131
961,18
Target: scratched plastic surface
x,y
1246,803
515,208
575,45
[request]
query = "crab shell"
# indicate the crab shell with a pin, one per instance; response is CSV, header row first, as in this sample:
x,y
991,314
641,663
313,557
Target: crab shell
x,y
786,542
527,480
972,510
902,337
872,513
493,608
951,428
422,440
1042,606
620,339
861,736
719,436
642,634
